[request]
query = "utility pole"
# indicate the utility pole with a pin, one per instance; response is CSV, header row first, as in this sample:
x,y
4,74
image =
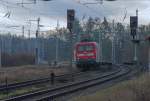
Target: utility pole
x,y
113,43
135,43
37,41
57,44
137,14
135,34
22,3
29,33
38,27
23,31
29,47
37,50
71,46
22,42
70,23
100,45
29,30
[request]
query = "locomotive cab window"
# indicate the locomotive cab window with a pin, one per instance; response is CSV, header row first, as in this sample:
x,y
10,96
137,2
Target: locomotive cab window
x,y
85,48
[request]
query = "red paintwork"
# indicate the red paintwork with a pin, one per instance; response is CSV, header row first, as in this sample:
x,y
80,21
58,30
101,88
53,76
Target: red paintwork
x,y
148,38
85,54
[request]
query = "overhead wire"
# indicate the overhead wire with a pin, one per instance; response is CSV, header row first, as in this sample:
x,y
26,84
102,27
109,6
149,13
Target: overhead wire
x,y
14,5
25,8
8,14
85,4
7,5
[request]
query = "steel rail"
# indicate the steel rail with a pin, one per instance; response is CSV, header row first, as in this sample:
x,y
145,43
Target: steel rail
x,y
32,82
38,81
81,87
57,89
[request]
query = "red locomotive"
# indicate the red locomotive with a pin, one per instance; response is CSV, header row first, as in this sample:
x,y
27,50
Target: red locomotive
x,y
86,55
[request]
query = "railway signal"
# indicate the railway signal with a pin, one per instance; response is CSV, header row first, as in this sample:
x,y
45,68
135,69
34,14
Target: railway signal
x,y
70,23
70,18
134,34
133,25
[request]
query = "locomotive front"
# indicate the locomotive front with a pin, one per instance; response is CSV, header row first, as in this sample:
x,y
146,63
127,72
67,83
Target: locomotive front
x,y
86,54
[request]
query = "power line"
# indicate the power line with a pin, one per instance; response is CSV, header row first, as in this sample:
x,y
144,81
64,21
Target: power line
x,y
14,5
87,5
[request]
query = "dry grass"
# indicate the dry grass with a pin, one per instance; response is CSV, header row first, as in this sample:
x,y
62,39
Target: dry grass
x,y
23,73
5,95
133,90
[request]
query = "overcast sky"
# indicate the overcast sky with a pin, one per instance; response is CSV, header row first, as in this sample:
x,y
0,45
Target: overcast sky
x,y
51,11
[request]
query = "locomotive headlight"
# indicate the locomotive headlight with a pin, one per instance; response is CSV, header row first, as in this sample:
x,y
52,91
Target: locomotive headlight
x,y
87,54
81,55
90,54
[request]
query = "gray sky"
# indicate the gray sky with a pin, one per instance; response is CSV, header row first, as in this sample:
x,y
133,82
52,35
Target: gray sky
x,y
51,11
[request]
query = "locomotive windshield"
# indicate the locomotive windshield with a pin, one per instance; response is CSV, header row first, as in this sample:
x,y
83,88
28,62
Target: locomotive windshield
x,y
85,48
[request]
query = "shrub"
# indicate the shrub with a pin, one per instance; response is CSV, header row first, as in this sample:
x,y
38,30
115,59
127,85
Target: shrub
x,y
17,59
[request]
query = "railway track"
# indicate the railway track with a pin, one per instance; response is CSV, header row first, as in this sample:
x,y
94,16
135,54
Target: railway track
x,y
14,86
46,95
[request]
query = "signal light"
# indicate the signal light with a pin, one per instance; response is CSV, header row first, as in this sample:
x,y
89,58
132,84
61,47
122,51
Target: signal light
x,y
133,25
133,22
70,18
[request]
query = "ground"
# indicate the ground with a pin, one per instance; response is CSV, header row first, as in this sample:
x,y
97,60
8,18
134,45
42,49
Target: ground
x,y
137,89
23,73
